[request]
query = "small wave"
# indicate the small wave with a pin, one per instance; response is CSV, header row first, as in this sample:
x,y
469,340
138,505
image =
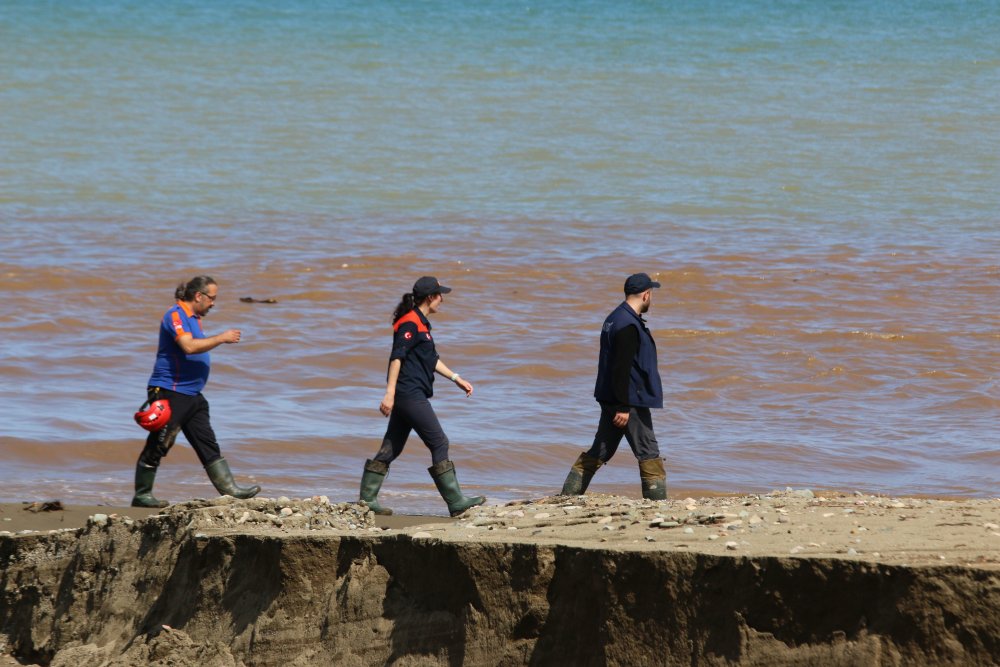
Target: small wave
x,y
979,404
878,336
691,333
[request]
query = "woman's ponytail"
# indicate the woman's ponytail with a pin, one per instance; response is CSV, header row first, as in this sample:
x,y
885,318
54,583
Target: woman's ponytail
x,y
406,304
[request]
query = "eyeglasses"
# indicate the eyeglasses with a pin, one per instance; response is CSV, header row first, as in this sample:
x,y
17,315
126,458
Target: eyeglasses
x,y
209,296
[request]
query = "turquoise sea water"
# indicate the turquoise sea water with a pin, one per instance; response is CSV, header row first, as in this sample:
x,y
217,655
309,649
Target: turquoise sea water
x,y
851,114
818,184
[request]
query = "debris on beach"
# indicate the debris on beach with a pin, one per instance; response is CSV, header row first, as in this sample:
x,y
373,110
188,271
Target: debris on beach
x,y
48,506
261,514
797,522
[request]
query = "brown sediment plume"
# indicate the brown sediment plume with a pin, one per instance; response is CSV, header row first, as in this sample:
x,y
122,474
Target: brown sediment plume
x,y
853,367
583,580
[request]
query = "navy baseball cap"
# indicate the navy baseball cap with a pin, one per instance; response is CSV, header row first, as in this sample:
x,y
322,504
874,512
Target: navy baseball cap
x,y
639,282
428,285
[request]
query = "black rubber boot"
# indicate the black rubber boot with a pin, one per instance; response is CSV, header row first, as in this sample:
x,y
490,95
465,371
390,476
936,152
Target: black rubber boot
x,y
654,479
371,481
580,475
447,485
222,479
144,478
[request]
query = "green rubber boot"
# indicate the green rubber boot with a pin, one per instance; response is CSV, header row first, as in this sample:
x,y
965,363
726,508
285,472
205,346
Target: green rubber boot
x,y
447,485
371,481
222,479
580,475
654,479
144,478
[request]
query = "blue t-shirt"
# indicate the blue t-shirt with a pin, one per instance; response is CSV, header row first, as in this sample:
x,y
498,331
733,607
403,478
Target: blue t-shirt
x,y
174,370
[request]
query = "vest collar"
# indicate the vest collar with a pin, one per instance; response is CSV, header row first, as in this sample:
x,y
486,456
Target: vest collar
x,y
628,309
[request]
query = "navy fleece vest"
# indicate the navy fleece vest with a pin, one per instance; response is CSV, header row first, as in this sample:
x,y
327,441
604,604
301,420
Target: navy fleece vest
x,y
644,387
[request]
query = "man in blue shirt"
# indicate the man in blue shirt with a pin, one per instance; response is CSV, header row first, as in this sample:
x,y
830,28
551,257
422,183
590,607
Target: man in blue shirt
x,y
628,385
179,374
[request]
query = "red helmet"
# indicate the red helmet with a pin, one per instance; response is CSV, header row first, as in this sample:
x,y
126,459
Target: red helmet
x,y
153,416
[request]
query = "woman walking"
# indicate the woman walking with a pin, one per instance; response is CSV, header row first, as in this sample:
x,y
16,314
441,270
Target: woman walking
x,y
409,386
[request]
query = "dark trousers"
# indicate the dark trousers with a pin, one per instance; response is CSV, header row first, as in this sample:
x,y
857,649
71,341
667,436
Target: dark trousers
x,y
413,414
638,432
188,415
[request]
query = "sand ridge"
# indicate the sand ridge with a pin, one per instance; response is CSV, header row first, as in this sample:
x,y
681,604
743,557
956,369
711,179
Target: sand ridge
x,y
790,577
796,523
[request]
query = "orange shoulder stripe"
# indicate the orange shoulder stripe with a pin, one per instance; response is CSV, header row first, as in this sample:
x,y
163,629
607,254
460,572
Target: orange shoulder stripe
x,y
413,317
175,320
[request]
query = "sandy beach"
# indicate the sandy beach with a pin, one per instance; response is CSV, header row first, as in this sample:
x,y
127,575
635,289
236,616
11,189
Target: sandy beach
x,y
906,531
895,578
28,518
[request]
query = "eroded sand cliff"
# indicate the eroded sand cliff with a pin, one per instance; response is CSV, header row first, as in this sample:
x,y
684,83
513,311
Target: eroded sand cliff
x,y
586,581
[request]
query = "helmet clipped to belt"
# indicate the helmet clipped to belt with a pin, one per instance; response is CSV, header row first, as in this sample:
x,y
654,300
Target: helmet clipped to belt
x,y
153,415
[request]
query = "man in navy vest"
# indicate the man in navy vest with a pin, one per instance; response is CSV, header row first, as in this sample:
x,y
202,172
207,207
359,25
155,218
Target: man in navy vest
x,y
628,385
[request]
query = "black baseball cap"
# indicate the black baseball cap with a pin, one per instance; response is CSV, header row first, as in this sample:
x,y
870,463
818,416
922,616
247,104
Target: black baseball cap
x,y
428,285
639,282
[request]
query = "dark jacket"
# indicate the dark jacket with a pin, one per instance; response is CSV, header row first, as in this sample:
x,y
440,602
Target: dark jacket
x,y
644,388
